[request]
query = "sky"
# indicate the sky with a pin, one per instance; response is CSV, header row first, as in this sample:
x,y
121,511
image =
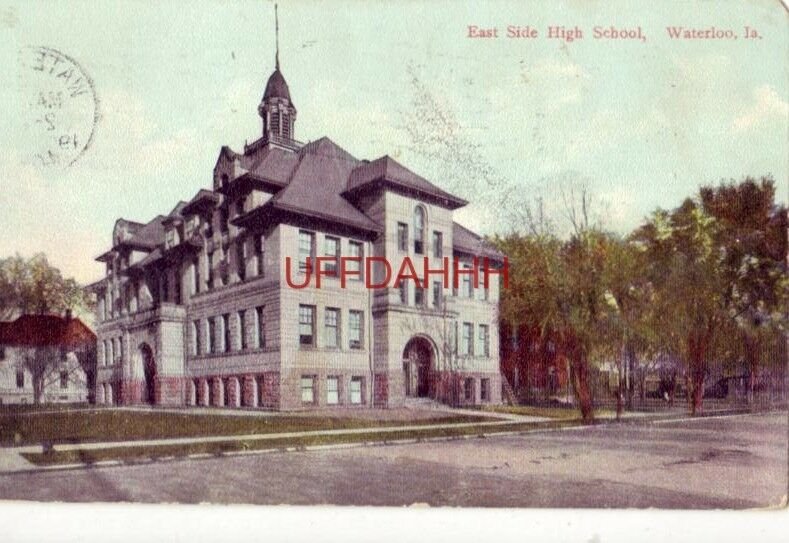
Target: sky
x,y
500,122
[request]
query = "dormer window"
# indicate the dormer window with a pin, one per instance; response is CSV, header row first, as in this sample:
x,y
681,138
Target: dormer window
x,y
225,179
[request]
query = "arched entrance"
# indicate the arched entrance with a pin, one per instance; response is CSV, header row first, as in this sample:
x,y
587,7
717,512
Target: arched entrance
x,y
418,360
149,371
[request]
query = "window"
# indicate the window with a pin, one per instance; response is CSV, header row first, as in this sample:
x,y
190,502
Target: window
x,y
241,259
170,238
419,296
402,236
331,248
210,344
177,288
438,244
223,218
307,324
307,389
261,326
437,294
274,120
242,331
164,280
118,350
356,390
332,390
210,276
331,331
285,126
195,276
20,379
107,354
419,230
404,292
306,249
225,332
355,329
260,244
195,338
468,389
484,390
483,344
2,353
355,250
468,288
63,379
467,341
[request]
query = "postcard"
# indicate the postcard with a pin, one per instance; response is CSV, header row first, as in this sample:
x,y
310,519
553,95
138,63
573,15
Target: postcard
x,y
450,254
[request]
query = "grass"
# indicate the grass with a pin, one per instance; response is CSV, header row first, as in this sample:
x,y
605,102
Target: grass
x,y
28,427
143,453
559,413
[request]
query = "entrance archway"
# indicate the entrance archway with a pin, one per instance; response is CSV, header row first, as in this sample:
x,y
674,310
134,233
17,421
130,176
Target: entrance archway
x,y
149,372
418,361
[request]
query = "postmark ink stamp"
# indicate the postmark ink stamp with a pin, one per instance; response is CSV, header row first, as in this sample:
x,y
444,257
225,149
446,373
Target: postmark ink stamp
x,y
61,105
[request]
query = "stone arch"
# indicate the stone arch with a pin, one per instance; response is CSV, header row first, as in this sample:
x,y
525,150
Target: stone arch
x,y
420,364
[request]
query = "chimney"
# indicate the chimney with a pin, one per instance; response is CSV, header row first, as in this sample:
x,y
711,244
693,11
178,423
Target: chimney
x,y
68,314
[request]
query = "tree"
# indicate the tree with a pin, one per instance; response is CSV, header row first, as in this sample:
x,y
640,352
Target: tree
x,y
34,286
685,268
752,233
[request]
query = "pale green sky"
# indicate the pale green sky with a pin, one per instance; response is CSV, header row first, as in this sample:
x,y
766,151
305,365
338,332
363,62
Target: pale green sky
x,y
496,121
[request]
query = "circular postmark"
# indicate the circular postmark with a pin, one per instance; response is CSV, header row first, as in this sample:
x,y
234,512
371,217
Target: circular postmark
x,y
62,109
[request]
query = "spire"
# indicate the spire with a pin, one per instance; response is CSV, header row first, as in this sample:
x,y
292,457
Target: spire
x,y
276,34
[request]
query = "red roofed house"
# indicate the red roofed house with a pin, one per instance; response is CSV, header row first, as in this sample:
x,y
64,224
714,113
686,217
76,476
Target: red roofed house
x,y
46,359
195,308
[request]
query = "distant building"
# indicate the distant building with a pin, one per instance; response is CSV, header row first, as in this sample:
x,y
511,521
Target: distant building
x,y
46,355
195,308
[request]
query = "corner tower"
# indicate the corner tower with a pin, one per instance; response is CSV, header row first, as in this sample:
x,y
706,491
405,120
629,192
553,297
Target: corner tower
x,y
276,108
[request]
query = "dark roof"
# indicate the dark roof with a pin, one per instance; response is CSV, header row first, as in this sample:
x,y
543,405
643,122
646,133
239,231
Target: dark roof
x,y
466,241
388,170
277,87
45,330
316,184
203,199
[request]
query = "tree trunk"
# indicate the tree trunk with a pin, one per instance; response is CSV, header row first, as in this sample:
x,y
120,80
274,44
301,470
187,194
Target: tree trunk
x,y
580,380
697,349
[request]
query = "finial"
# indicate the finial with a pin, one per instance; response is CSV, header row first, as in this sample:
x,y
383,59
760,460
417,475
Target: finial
x,y
276,33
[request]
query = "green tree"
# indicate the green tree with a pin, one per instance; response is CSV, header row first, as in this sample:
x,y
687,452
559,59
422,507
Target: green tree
x,y
752,236
34,286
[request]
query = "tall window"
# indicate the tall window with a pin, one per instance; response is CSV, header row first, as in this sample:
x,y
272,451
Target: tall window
x,y
306,249
438,244
210,340
261,327
468,286
404,292
483,345
260,244
419,230
402,236
107,353
225,332
177,287
484,390
63,379
437,294
355,250
118,350
223,220
241,259
195,276
331,331
356,389
20,379
467,341
331,248
195,338
307,325
355,329
332,390
242,331
308,388
419,296
210,275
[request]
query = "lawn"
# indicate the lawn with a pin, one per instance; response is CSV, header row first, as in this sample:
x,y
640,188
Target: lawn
x,y
29,427
560,413
146,453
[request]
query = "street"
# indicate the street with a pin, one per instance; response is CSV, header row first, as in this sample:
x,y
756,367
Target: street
x,y
718,462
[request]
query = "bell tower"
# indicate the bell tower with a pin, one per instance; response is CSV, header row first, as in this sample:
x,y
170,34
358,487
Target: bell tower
x,y
276,108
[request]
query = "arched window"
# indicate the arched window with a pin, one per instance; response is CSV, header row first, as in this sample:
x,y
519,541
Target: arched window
x,y
419,230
